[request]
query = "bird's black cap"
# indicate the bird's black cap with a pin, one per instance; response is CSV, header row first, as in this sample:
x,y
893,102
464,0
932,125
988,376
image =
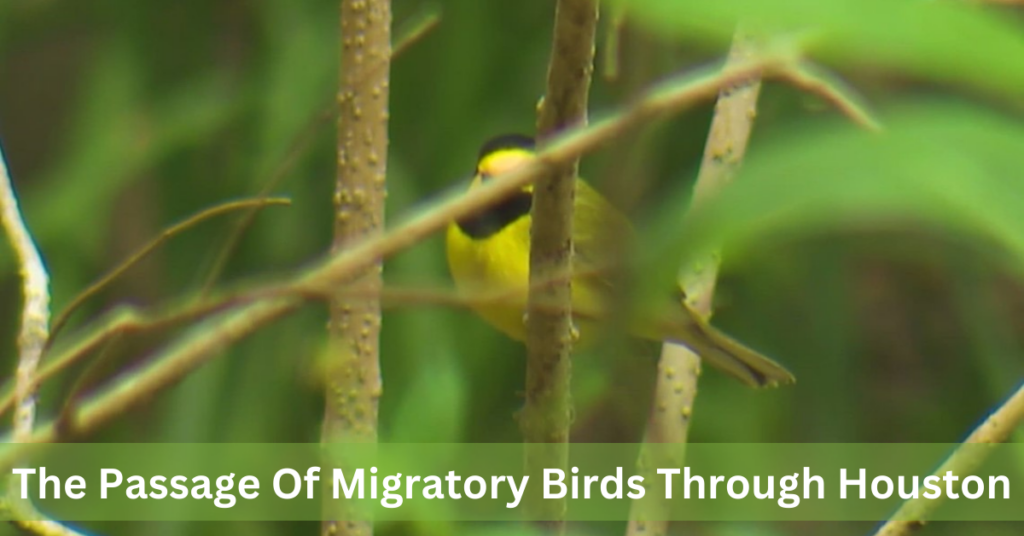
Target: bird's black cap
x,y
506,141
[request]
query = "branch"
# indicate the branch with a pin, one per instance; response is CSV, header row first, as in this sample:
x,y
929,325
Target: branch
x,y
172,364
146,250
812,79
353,382
129,320
35,315
35,320
126,320
678,368
166,368
415,31
997,428
305,137
547,415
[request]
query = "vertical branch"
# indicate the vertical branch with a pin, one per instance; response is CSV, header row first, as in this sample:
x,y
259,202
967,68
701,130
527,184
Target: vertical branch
x,y
546,418
678,367
353,376
35,316
32,337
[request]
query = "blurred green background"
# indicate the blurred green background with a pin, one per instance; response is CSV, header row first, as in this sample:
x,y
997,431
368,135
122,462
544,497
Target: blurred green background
x,y
885,272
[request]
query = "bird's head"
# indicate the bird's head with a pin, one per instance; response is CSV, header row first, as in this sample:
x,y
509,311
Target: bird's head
x,y
503,154
499,155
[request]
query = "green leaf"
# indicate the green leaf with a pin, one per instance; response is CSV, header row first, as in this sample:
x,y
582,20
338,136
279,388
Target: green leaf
x,y
944,165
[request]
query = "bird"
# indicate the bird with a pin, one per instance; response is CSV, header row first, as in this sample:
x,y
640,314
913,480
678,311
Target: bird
x,y
488,257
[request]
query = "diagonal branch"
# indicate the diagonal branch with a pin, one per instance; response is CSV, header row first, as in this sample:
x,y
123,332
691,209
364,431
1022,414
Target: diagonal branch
x,y
997,428
152,245
414,31
808,77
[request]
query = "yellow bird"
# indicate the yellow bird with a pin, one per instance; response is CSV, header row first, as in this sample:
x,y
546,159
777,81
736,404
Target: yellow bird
x,y
488,255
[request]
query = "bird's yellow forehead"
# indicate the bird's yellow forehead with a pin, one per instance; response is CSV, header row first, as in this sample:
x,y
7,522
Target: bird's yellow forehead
x,y
503,161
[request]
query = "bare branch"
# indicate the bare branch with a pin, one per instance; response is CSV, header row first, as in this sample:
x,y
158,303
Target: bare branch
x,y
127,320
546,417
151,246
35,314
353,382
414,30
421,26
166,368
997,428
291,157
678,368
32,337
812,79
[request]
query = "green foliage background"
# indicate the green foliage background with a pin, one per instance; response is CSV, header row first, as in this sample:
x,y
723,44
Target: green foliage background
x,y
884,271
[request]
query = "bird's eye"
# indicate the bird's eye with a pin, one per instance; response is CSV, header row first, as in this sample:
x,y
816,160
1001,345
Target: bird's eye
x,y
485,175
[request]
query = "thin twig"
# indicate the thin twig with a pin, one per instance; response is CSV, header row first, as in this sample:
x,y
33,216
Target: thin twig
x,y
813,79
679,368
547,415
32,337
176,361
305,137
152,245
422,26
997,428
127,320
166,368
414,30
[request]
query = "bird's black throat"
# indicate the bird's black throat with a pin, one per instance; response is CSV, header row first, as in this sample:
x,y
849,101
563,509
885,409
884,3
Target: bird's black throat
x,y
489,222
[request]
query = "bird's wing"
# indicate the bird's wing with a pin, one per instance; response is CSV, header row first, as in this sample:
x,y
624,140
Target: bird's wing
x,y
599,231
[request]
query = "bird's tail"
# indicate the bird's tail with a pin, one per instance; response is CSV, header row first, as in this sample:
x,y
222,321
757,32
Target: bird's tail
x,y
726,354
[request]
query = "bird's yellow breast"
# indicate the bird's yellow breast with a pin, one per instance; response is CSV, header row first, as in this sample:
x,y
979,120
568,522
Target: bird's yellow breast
x,y
494,273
